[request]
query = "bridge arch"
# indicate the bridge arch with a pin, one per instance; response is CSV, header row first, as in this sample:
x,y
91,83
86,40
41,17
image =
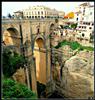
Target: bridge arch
x,y
51,28
40,58
11,36
40,37
51,25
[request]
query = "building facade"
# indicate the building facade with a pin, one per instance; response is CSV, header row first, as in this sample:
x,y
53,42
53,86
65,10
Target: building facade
x,y
61,14
40,12
84,16
18,14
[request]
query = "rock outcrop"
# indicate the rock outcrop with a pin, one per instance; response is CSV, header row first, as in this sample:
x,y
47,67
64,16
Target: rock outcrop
x,y
78,75
19,76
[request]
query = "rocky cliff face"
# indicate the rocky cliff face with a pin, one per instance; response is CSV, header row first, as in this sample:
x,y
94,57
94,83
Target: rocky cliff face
x,y
19,76
78,74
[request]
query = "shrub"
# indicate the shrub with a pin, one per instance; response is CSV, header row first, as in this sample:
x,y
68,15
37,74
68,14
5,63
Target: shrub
x,y
12,89
11,62
88,48
74,45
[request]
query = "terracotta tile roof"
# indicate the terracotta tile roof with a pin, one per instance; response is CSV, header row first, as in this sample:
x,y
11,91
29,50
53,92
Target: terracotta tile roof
x,y
69,15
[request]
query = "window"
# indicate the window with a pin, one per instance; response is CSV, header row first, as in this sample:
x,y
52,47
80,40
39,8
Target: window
x,y
32,16
82,18
35,16
84,10
82,34
42,12
82,26
84,23
38,16
38,12
42,17
90,13
85,27
77,19
79,26
29,16
88,23
38,30
90,27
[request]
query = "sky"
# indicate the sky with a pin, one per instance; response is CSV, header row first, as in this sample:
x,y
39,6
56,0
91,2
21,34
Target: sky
x,y
10,7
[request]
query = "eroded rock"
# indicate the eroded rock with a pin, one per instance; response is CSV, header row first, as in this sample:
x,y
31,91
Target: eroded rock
x,y
19,76
78,76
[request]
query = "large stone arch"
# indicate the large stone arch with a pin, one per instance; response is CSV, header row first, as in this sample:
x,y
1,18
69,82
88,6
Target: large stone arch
x,y
11,36
52,27
40,58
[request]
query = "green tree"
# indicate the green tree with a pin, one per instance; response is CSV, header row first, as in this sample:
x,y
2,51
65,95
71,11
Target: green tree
x,y
9,15
11,62
74,26
12,89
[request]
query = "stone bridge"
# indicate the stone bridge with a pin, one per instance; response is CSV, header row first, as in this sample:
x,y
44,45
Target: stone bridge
x,y
40,30
41,26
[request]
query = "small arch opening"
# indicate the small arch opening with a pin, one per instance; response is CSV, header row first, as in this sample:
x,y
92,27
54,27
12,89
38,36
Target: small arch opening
x,y
11,37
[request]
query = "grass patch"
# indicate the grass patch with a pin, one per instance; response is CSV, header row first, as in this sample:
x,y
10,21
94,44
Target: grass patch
x,y
74,45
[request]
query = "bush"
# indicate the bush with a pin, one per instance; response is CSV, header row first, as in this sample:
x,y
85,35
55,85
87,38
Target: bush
x,y
12,89
11,62
74,46
74,26
88,48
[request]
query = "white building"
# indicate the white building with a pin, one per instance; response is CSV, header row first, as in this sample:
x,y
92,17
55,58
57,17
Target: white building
x,y
18,14
84,16
80,11
61,14
40,12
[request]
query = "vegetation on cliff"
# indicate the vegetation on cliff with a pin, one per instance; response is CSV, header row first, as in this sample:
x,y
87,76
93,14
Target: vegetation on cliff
x,y
12,89
11,62
74,45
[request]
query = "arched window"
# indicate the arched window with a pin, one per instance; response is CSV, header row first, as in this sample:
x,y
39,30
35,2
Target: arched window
x,y
42,12
83,34
38,30
77,19
38,13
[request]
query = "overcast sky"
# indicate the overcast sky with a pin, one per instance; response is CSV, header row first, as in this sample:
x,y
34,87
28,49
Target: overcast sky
x,y
10,7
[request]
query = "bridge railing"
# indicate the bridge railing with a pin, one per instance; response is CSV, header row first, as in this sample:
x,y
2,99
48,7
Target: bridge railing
x,y
21,20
